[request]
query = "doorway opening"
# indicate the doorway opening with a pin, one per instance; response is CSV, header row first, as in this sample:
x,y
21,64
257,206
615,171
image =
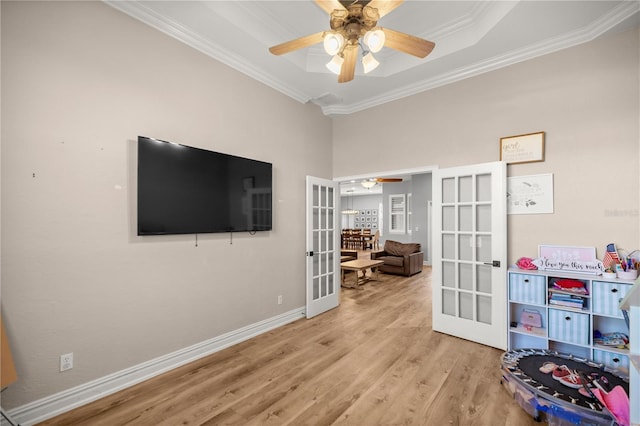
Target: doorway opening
x,y
396,203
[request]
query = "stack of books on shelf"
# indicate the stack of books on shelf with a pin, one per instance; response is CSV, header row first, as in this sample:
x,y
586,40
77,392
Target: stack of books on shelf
x,y
568,300
569,293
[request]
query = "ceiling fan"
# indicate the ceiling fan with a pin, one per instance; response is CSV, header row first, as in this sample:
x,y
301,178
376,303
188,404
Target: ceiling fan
x,y
370,183
353,26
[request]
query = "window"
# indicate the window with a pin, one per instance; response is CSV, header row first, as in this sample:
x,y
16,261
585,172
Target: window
x,y
396,214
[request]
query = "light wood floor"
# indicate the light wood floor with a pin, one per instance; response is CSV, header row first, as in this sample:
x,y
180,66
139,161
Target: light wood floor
x,y
372,361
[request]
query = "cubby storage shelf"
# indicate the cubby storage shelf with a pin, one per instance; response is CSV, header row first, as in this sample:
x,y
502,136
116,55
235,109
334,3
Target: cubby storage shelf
x,y
537,332
611,349
565,328
569,308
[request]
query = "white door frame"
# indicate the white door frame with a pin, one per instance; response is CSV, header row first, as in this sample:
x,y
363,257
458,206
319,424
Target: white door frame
x,y
322,245
393,173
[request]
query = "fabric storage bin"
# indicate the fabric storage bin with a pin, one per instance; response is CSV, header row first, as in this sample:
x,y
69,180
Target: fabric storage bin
x,y
527,288
566,326
606,296
612,360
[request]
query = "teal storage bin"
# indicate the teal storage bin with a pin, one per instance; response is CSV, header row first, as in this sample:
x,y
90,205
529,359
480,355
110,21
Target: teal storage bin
x,y
527,288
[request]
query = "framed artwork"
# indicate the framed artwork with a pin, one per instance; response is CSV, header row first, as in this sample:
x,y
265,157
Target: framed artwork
x,y
530,194
361,218
528,148
374,219
374,225
356,219
368,212
368,225
374,212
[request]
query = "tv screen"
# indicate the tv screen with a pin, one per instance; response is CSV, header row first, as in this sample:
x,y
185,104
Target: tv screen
x,y
186,190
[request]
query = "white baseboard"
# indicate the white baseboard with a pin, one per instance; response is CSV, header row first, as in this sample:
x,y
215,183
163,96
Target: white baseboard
x,y
69,399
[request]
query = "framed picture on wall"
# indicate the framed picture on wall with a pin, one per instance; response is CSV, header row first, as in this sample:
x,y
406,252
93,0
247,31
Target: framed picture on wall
x,y
368,219
527,148
356,219
368,225
368,212
374,225
374,212
361,218
374,219
530,194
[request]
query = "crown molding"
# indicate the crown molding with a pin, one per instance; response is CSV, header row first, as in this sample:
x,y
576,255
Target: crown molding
x,y
597,28
139,11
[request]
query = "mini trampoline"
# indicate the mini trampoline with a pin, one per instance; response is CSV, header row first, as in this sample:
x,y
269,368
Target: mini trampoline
x,y
546,398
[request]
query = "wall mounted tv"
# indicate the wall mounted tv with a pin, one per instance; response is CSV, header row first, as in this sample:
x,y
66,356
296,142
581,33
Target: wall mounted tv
x,y
187,190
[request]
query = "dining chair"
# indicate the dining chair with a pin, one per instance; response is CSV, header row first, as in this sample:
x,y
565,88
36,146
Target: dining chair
x,y
374,243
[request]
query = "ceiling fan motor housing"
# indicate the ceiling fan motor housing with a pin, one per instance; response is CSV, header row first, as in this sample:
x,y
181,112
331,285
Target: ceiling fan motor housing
x,y
354,22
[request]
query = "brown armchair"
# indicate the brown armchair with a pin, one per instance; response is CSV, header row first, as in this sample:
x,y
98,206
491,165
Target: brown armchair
x,y
400,258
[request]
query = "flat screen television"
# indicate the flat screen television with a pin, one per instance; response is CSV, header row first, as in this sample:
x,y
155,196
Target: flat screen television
x,y
187,190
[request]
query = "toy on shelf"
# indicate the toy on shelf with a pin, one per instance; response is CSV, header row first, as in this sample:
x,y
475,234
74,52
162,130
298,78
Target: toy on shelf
x,y
625,267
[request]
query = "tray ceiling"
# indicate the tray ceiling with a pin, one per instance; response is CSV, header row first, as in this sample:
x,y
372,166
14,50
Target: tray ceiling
x,y
472,37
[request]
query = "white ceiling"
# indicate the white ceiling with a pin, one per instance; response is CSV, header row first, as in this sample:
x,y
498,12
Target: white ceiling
x,y
353,187
471,37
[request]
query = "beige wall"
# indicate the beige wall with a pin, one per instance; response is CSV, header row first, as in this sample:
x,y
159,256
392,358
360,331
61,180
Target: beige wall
x,y
584,98
80,82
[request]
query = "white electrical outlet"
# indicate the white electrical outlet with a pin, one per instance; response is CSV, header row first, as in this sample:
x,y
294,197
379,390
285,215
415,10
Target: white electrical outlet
x,y
66,362
280,300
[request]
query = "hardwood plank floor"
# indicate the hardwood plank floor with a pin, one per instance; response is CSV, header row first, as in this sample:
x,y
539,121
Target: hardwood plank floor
x,y
373,361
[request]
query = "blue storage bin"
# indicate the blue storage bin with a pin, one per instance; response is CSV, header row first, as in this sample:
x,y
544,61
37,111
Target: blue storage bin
x,y
571,327
606,297
612,360
527,288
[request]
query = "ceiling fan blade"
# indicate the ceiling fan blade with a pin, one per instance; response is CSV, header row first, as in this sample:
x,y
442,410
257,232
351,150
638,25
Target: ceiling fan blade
x,y
407,43
348,69
384,6
298,43
330,5
388,180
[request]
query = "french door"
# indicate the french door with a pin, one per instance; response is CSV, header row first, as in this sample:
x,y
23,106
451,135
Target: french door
x,y
323,246
470,253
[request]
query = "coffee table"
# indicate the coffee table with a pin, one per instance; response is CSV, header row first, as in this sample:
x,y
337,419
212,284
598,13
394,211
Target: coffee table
x,y
360,265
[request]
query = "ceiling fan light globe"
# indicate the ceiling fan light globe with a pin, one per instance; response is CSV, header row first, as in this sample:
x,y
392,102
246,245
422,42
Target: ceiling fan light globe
x,y
333,43
368,183
369,63
374,39
335,64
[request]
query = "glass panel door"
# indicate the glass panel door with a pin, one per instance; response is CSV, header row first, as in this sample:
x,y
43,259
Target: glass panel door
x,y
323,246
469,265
